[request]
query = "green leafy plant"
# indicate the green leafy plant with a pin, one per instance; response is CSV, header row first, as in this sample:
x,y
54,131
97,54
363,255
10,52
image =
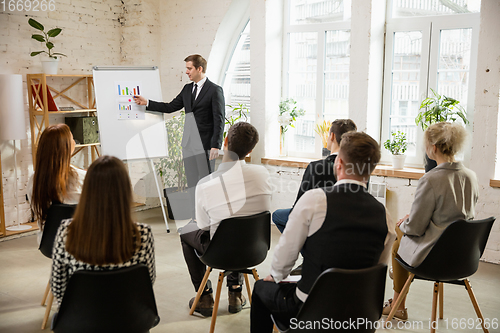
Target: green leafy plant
x,y
171,168
288,113
45,38
236,113
438,108
397,144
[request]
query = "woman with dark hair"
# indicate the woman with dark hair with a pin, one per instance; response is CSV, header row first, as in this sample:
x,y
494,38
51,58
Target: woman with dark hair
x,y
447,193
55,180
102,234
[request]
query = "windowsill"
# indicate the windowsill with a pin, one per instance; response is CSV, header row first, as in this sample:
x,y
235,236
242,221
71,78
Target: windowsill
x,y
380,170
495,183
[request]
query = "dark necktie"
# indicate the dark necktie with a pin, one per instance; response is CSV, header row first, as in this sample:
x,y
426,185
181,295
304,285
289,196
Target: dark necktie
x,y
193,96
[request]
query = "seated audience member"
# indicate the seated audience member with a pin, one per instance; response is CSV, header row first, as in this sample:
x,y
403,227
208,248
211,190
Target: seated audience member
x,y
444,194
102,234
340,226
319,173
55,180
235,189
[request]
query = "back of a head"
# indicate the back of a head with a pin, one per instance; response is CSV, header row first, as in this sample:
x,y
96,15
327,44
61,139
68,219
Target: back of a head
x,y
102,230
242,138
449,138
52,169
360,152
198,61
341,126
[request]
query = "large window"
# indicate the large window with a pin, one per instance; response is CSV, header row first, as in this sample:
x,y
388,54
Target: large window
x,y
316,67
236,82
426,50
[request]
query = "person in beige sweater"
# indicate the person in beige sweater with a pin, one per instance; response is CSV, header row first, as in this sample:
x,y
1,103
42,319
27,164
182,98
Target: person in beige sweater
x,y
444,194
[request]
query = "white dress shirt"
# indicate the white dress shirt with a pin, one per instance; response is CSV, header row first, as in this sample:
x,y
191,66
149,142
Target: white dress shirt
x,y
306,218
235,189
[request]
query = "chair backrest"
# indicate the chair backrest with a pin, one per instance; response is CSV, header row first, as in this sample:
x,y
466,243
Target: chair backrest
x,y
56,213
108,301
456,253
239,243
345,296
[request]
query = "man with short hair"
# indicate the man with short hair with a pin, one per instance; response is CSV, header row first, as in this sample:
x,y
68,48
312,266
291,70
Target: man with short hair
x,y
340,226
319,173
203,102
235,189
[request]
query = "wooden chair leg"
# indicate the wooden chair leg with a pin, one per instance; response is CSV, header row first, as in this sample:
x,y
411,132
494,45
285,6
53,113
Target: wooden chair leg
x,y
475,304
200,290
435,293
216,303
441,300
402,295
255,275
249,291
47,310
46,293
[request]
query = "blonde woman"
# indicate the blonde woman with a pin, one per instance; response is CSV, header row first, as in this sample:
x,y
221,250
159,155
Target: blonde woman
x,y
444,194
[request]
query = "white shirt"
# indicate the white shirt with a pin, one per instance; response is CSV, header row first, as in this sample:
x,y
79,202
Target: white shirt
x,y
200,85
235,189
306,219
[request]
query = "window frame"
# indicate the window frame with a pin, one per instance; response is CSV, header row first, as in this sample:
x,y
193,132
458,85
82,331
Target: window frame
x,y
431,27
321,30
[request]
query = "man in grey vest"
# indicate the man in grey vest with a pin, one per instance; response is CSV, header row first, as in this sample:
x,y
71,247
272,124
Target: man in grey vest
x,y
340,226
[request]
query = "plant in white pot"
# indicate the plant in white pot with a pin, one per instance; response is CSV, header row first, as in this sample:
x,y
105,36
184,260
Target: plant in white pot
x,y
397,145
49,65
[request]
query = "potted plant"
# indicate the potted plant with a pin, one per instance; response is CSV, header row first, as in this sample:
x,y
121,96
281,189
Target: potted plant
x,y
435,109
397,145
171,171
236,112
323,130
288,113
49,65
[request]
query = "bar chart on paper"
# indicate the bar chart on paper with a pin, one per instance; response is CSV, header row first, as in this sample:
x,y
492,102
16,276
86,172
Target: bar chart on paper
x,y
126,107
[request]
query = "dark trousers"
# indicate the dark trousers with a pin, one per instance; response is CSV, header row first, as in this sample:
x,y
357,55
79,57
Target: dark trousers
x,y
196,166
280,218
194,238
269,298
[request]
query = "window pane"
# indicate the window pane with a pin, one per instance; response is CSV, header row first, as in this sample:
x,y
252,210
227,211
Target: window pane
x,y
454,62
405,85
303,54
237,81
319,11
336,77
402,8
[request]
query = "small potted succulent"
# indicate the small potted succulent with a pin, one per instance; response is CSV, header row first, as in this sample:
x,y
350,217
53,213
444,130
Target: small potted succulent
x,y
397,145
49,65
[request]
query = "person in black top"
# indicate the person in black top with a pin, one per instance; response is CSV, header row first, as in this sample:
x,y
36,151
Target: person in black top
x,y
318,173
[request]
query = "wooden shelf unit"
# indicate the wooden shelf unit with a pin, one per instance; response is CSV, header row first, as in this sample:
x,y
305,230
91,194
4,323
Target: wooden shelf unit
x,y
40,95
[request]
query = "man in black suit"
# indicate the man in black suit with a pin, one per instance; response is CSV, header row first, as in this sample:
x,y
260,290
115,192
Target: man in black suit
x,y
319,173
203,102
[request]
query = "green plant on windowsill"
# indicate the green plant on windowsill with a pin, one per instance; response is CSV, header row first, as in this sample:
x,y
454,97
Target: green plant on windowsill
x,y
438,108
236,114
397,144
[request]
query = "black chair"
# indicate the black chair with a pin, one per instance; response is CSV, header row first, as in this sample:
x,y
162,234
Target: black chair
x,y
343,296
238,244
119,300
454,257
56,213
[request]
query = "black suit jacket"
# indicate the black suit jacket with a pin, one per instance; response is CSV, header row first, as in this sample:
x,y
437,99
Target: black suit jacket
x,y
318,174
208,111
